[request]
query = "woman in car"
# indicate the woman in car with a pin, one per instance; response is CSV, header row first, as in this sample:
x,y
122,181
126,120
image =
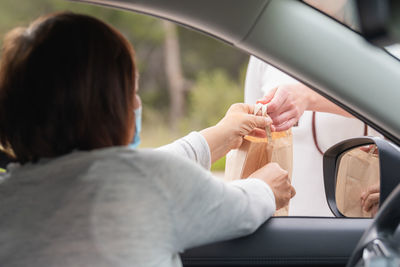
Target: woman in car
x,y
79,196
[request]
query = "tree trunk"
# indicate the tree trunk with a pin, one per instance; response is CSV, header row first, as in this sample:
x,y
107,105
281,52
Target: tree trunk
x,y
173,69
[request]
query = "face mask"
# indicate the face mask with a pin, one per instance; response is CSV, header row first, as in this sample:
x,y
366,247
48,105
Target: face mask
x,y
138,127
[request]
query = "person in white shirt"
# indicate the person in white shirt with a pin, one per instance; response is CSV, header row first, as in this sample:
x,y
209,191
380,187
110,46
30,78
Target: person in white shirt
x,y
79,195
317,123
291,103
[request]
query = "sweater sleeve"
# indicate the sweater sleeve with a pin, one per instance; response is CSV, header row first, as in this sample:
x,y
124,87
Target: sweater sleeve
x,y
206,209
193,146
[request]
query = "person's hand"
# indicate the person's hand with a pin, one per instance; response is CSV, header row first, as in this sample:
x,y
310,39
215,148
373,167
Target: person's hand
x,y
229,132
278,180
370,149
240,121
370,199
286,104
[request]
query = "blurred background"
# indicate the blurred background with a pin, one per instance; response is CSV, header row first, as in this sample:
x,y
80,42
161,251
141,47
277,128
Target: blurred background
x,y
187,80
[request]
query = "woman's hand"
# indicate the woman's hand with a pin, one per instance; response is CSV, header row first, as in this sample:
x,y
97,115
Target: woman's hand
x,y
240,121
229,132
287,103
278,181
370,199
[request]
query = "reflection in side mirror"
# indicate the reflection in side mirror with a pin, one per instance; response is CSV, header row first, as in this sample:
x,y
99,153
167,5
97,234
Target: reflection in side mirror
x,y
358,182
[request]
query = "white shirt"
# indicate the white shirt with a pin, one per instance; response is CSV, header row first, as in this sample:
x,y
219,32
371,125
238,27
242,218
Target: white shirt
x,y
123,207
307,176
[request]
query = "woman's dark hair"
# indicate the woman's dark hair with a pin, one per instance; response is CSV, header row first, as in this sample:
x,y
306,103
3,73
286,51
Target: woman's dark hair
x,y
66,82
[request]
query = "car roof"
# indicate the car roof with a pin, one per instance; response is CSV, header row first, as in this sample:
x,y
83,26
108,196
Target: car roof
x,y
312,47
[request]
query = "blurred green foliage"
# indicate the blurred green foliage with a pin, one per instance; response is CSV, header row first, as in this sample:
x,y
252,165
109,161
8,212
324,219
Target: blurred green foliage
x,y
214,70
219,165
211,96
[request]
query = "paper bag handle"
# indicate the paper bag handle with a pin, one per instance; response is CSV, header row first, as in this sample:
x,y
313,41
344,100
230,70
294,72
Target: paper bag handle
x,y
264,110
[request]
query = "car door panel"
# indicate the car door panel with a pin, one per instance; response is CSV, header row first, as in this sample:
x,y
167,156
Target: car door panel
x,y
286,241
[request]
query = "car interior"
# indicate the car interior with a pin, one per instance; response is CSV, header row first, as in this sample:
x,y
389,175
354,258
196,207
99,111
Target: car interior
x,y
349,68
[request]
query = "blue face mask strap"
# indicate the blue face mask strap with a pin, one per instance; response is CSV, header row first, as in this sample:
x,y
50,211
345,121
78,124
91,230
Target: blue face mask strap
x,y
138,127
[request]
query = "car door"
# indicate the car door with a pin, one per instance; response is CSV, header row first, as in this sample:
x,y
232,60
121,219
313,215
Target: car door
x,y
327,56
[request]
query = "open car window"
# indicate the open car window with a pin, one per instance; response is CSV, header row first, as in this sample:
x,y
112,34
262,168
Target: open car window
x,y
189,80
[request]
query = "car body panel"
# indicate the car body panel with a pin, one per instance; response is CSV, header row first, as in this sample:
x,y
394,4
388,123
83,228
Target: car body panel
x,y
226,20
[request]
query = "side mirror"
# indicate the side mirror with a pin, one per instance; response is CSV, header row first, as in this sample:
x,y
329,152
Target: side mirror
x,y
359,174
379,21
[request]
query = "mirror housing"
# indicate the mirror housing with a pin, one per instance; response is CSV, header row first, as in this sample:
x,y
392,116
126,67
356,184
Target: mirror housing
x,y
389,160
379,21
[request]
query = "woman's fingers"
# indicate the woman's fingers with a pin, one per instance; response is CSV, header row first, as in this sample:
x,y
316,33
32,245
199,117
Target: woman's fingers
x,y
258,121
370,198
293,191
371,201
284,117
282,109
268,97
374,188
241,107
258,133
245,108
284,126
363,197
370,190
278,101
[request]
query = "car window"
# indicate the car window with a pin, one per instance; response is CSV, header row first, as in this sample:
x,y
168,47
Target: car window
x,y
189,80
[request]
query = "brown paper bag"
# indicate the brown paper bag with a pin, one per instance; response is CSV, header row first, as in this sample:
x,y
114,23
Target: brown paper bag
x,y
358,170
255,152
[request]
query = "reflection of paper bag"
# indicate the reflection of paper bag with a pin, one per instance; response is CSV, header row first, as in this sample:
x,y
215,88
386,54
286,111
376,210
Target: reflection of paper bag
x,y
255,152
358,170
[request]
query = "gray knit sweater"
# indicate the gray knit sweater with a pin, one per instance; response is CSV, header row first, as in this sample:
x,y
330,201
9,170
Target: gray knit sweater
x,y
123,207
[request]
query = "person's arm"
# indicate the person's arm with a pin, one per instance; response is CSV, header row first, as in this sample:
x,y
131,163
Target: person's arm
x,y
287,102
193,146
229,132
287,97
205,209
214,142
